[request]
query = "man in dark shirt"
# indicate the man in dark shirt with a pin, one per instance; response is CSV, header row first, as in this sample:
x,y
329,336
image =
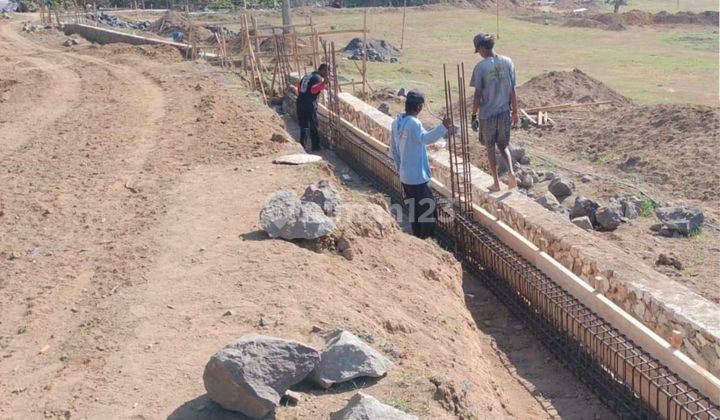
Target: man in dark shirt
x,y
310,86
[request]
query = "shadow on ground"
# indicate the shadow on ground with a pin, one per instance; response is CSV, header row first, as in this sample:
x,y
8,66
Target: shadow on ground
x,y
526,359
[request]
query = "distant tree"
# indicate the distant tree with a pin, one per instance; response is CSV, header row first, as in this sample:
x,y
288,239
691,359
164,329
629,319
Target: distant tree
x,y
616,4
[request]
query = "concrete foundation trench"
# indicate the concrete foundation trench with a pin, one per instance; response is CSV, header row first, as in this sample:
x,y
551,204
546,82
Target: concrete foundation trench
x,y
600,318
631,368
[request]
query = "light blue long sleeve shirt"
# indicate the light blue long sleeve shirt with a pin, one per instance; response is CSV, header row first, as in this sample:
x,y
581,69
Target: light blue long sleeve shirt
x,y
408,141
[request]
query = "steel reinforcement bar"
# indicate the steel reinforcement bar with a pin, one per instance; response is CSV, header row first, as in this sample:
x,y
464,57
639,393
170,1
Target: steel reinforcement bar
x,y
624,376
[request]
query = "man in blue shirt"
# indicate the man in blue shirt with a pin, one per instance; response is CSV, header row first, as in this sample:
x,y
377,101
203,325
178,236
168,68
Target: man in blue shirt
x,y
494,81
408,141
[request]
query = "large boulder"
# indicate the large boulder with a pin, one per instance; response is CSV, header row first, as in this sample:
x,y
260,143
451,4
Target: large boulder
x,y
608,218
347,357
549,202
365,407
252,373
682,219
324,195
561,187
286,216
584,207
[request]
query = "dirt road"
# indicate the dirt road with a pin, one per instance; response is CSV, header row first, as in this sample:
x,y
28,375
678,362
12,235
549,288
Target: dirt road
x,y
129,253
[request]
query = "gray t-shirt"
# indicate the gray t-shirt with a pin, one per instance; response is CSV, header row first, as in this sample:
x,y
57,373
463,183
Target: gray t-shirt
x,y
495,77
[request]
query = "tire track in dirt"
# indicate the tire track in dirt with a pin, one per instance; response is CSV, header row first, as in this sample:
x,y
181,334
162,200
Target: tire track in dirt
x,y
60,87
71,178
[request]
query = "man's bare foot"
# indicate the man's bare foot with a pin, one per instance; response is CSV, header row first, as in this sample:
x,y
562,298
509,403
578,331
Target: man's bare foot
x,y
512,181
494,188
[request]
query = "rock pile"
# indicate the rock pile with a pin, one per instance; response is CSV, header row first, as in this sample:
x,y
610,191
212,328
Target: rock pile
x,y
116,22
377,50
253,373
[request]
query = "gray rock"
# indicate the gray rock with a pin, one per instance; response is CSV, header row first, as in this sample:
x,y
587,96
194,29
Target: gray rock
x,y
347,357
525,160
586,178
285,216
365,407
549,176
561,187
401,92
518,152
608,218
682,219
324,195
297,159
252,373
526,181
384,108
583,222
584,207
629,209
549,202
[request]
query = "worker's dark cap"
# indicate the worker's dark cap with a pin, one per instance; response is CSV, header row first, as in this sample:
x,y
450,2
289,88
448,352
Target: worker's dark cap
x,y
414,97
483,40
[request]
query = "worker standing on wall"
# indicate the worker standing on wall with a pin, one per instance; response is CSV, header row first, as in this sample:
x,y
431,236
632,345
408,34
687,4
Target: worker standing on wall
x,y
494,105
308,89
408,141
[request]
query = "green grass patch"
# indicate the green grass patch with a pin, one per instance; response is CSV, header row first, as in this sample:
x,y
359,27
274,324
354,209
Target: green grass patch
x,y
706,41
699,235
646,208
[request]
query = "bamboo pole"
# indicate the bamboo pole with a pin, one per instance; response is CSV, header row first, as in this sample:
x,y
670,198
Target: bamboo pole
x,y
402,33
364,56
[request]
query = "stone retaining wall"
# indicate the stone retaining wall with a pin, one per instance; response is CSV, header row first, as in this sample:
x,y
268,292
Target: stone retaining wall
x,y
657,301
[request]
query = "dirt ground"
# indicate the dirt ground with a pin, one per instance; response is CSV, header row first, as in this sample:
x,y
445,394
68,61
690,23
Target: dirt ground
x,y
130,252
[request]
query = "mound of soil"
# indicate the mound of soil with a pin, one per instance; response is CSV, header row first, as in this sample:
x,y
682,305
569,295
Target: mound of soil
x,y
163,53
709,17
583,22
557,87
670,146
619,21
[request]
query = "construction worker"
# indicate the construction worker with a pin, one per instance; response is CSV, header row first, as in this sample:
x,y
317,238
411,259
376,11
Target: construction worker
x,y
408,141
494,105
308,89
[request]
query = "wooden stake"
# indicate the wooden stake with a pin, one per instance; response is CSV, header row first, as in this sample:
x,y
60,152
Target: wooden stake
x,y
402,33
364,57
497,19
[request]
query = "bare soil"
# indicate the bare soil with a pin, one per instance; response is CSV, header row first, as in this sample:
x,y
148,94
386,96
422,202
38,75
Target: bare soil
x,y
622,20
130,252
560,87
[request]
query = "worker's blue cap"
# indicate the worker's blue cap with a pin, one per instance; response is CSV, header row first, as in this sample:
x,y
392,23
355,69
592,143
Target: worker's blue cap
x,y
414,97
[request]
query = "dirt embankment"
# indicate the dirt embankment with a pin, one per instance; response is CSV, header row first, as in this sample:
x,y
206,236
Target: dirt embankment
x,y
619,21
669,146
131,253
